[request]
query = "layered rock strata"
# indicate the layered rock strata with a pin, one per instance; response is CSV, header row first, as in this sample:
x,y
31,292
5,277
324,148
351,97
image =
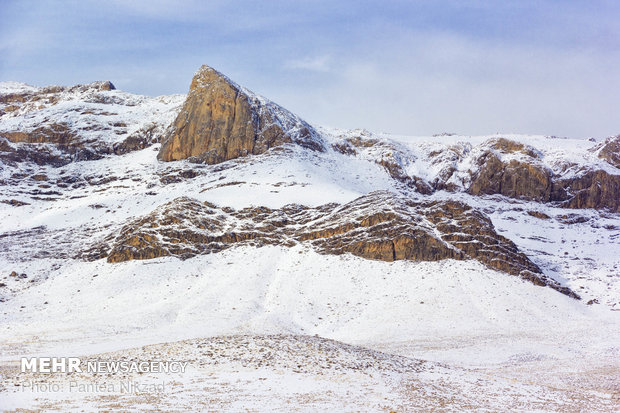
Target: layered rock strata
x,y
379,226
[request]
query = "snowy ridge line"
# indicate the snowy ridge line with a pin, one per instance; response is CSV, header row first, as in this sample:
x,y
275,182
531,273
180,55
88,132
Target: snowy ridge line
x,y
380,225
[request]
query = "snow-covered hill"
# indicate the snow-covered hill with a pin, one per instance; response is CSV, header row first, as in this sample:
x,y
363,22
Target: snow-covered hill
x,y
80,176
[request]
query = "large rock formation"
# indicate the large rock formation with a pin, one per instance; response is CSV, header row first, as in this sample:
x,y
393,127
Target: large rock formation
x,y
221,120
521,177
378,226
527,178
591,189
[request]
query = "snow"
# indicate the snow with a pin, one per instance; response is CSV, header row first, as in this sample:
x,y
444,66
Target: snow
x,y
490,340
554,153
459,314
101,116
288,290
8,87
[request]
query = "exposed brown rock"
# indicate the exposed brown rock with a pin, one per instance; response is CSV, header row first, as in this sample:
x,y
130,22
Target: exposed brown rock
x,y
40,154
58,133
57,142
529,180
49,95
221,121
514,179
138,140
103,85
538,214
14,202
610,151
592,189
379,226
39,177
509,146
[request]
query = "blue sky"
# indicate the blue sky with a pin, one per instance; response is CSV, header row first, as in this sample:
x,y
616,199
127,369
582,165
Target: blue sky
x,y
408,67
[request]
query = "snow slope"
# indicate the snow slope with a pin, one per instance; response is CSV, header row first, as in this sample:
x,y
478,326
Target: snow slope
x,y
501,343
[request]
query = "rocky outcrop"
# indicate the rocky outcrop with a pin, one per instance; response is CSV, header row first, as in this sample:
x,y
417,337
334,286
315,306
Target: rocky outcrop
x,y
47,153
142,138
610,151
378,226
513,179
522,177
591,189
498,166
55,144
56,125
58,144
526,178
48,95
220,121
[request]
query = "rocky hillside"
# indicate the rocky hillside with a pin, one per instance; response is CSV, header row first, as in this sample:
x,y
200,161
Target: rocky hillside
x,y
415,199
56,125
378,226
298,266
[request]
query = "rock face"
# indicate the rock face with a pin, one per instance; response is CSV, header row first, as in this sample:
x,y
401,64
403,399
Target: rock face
x,y
528,179
592,189
517,178
221,121
378,226
498,166
513,179
610,151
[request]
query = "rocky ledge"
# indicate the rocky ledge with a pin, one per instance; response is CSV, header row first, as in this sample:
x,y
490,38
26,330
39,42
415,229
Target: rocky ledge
x,y
379,226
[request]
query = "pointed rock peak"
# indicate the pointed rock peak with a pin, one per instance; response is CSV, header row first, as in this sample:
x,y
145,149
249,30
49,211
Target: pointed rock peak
x,y
221,120
206,76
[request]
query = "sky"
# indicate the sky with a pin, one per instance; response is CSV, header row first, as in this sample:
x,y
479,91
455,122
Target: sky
x,y
412,67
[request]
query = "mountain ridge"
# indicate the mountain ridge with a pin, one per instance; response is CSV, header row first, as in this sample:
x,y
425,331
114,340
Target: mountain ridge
x,y
221,126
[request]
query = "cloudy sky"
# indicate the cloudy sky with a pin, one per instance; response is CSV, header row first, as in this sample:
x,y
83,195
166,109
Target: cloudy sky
x,y
406,67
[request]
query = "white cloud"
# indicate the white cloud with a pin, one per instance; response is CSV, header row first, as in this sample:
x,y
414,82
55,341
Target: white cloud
x,y
379,68
314,64
426,83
